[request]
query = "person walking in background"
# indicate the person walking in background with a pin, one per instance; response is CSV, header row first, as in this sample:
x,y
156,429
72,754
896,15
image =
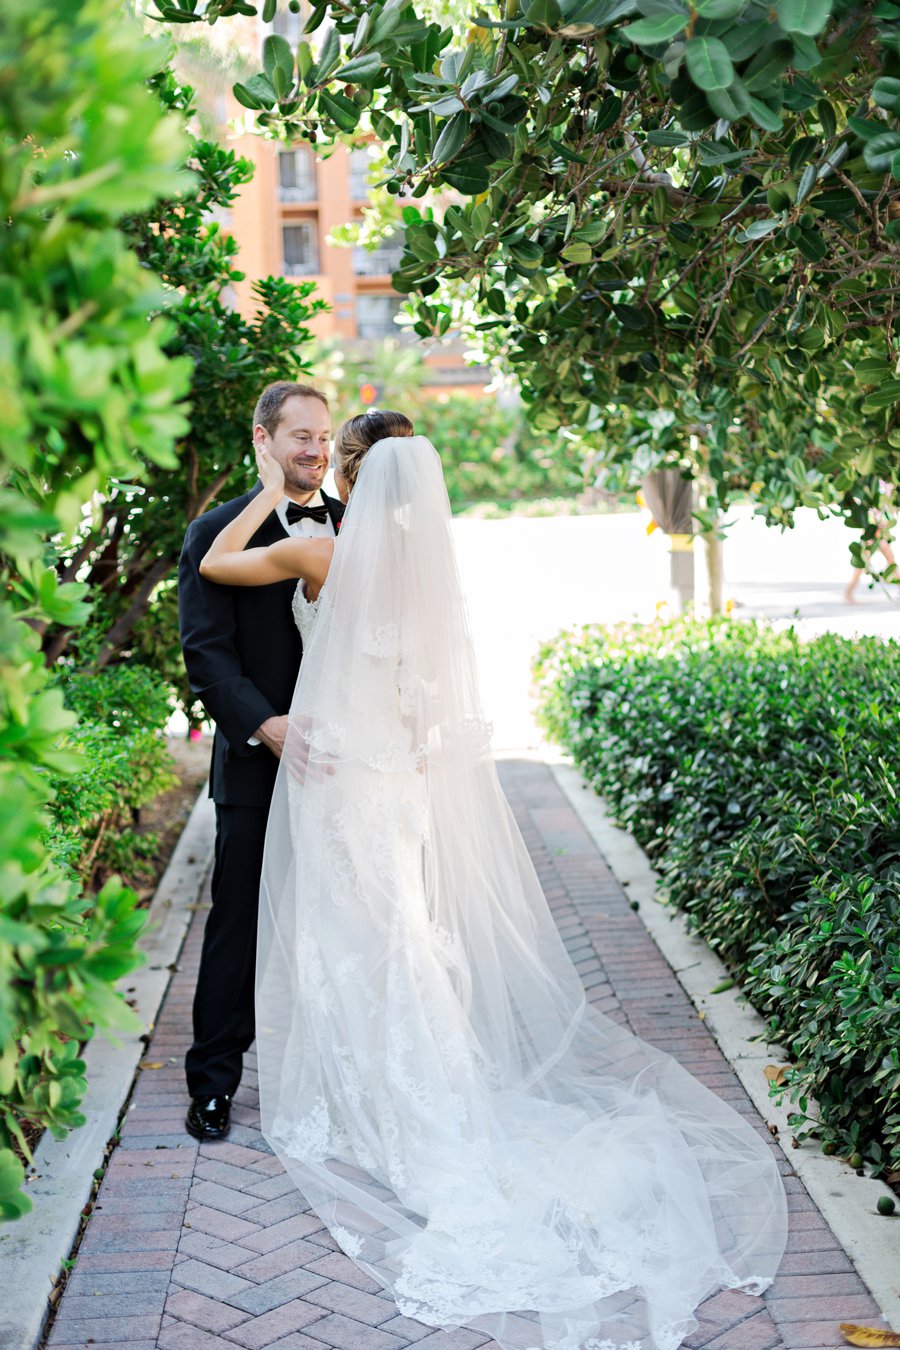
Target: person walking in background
x,y
881,518
242,652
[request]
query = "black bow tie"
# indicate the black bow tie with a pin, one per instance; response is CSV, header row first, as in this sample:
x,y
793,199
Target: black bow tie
x,y
317,513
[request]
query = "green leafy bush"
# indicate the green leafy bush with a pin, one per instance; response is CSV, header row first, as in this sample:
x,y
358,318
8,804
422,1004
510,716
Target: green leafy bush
x,y
122,713
89,392
489,450
491,453
758,771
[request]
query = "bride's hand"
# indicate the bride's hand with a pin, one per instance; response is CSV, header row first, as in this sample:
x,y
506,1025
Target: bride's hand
x,y
270,471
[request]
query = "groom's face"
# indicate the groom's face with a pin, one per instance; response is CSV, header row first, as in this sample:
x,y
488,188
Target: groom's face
x,y
300,443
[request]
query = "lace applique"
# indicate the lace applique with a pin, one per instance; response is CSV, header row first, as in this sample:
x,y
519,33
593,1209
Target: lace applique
x,y
350,1243
382,641
329,738
309,1137
304,611
613,1345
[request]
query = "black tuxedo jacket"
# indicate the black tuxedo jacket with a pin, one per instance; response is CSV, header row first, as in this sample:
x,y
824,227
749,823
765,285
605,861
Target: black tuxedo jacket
x,y
242,653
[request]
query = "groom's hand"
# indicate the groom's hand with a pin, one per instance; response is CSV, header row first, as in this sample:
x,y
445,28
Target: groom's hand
x,y
272,734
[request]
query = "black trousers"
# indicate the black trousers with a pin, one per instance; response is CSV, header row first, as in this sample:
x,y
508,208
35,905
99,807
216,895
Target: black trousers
x,y
224,1024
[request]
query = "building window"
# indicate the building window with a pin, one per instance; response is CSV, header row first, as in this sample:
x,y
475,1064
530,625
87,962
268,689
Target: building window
x,y
301,250
377,262
296,175
288,25
375,315
360,164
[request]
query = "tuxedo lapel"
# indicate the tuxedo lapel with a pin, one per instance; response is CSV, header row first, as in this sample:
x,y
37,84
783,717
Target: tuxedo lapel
x,y
271,530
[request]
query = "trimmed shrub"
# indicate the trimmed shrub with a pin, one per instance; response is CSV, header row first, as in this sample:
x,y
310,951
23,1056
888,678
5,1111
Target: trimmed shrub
x,y
122,713
759,773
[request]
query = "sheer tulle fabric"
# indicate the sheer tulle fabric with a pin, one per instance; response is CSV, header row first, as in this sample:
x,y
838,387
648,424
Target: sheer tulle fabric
x,y
482,1143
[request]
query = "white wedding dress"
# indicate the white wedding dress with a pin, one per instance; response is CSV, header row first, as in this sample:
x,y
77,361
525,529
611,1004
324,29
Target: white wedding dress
x,y
483,1143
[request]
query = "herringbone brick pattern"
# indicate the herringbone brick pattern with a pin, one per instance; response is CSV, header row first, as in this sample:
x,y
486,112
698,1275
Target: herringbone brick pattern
x,y
211,1247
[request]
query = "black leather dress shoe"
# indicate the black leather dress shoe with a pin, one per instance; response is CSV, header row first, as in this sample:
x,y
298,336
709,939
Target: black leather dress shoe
x,y
209,1117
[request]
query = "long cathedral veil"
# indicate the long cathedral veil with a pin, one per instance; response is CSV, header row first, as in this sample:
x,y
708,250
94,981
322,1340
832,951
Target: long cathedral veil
x,y
485,1145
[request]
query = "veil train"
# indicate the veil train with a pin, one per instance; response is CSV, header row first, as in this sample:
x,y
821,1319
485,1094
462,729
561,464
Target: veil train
x,y
485,1145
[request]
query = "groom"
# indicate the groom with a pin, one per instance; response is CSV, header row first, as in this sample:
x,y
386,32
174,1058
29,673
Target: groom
x,y
242,653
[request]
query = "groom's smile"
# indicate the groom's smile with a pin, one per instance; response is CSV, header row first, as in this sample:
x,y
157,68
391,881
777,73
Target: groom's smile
x,y
301,443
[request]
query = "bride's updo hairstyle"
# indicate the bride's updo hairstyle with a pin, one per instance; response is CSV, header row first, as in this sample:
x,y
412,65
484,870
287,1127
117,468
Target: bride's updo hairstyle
x,y
355,437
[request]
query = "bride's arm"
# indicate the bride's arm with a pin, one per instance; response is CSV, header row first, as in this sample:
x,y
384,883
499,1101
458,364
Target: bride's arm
x,y
229,562
232,565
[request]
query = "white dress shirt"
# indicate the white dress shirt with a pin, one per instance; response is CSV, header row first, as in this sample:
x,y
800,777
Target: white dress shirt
x,y
305,529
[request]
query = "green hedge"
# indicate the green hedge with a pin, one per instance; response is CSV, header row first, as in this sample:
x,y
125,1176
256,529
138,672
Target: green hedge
x,y
760,774
124,764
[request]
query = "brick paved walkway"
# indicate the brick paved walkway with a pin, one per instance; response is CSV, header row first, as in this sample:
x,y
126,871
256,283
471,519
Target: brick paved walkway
x,y
210,1247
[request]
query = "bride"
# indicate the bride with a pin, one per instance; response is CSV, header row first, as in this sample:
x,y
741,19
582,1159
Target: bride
x,y
486,1146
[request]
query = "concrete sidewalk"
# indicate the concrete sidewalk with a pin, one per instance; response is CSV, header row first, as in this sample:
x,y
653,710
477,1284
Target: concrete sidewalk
x,y
196,1247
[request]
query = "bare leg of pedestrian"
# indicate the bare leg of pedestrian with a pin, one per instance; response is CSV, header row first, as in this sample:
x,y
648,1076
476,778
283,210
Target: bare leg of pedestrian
x,y
884,548
849,597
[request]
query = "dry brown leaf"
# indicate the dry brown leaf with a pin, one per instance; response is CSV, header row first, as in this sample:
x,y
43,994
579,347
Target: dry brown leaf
x,y
775,1073
870,1336
151,1064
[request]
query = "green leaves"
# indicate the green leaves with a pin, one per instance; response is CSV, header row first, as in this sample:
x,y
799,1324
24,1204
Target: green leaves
x,y
13,1201
758,229
789,868
803,16
329,56
362,69
277,56
768,66
662,27
577,252
708,63
452,138
470,176
880,151
720,9
887,395
542,13
731,103
764,115
342,111
886,93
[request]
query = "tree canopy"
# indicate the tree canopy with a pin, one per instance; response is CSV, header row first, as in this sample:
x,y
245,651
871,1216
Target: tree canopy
x,y
645,205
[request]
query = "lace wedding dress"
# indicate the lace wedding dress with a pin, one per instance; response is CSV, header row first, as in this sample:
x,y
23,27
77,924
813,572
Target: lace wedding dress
x,y
482,1142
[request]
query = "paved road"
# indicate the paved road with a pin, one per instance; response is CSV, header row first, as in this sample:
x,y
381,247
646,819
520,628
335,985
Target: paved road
x,y
211,1247
527,578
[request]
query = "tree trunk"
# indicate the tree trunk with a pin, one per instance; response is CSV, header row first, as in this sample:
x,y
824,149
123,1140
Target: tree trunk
x,y
714,574
197,504
681,568
54,648
123,626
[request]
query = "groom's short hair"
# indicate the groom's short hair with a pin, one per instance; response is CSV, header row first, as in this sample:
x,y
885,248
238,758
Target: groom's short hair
x,y
271,401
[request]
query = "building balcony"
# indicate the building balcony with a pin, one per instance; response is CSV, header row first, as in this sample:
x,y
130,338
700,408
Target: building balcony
x,y
300,267
379,262
305,192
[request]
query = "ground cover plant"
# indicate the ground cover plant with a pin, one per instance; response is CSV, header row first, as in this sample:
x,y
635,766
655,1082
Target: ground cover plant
x,y
124,764
758,771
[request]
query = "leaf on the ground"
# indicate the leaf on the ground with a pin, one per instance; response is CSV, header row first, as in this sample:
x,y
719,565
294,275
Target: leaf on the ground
x,y
776,1073
722,986
870,1336
151,1064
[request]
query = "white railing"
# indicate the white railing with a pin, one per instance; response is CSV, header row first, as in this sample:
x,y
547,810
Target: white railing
x,y
379,262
